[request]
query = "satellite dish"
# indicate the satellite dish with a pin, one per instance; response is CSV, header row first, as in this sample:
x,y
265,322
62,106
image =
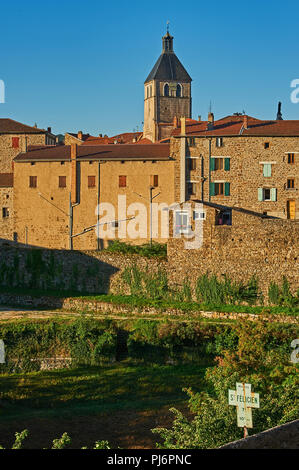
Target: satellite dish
x,y
2,352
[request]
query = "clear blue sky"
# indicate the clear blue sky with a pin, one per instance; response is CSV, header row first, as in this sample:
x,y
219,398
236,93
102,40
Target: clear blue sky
x,y
77,65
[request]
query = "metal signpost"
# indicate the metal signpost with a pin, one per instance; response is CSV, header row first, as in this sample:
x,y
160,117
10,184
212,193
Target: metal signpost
x,y
2,352
244,399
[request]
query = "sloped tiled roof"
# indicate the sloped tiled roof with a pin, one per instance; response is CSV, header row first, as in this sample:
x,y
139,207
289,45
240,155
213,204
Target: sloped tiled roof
x,y
6,180
99,152
10,126
234,126
124,138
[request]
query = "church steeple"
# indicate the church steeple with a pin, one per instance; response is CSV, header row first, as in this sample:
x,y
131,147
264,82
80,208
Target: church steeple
x,y
167,93
167,43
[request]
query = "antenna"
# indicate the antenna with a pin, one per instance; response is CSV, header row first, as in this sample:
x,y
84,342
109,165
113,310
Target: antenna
x,y
210,107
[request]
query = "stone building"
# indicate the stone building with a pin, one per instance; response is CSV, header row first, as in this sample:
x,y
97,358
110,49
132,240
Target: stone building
x,y
167,94
15,137
47,179
239,161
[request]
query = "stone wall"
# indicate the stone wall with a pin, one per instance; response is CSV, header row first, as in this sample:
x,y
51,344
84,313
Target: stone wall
x,y
280,437
245,175
251,246
88,272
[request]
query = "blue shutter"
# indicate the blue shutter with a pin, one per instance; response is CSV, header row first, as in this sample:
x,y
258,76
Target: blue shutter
x,y
212,189
226,189
227,164
260,194
267,169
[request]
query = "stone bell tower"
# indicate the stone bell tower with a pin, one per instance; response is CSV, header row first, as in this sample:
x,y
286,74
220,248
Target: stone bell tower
x,y
167,93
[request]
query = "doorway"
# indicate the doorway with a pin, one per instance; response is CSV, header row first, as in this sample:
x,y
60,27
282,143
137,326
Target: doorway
x,y
291,209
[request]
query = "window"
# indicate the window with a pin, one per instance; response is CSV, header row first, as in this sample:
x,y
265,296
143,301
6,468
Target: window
x,y
154,181
178,90
199,215
266,145
181,222
290,183
122,181
15,142
192,189
191,164
166,89
220,189
224,217
267,194
62,182
291,158
219,141
267,170
32,181
5,212
91,180
220,164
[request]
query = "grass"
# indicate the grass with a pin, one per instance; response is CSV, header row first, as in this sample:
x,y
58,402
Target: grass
x,y
161,305
87,390
156,250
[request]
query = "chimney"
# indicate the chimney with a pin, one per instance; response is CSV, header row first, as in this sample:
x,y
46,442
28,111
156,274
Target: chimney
x,y
80,135
74,173
50,130
175,122
245,121
210,120
100,135
279,115
183,126
199,118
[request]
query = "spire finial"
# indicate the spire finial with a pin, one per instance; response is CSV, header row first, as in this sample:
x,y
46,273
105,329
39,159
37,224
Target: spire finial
x,y
167,26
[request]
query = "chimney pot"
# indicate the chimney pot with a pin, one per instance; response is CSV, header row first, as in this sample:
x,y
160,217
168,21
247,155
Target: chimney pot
x,y
210,121
80,135
50,130
199,118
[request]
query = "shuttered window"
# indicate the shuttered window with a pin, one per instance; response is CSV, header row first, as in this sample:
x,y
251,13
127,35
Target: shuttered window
x,y
32,181
226,189
154,181
15,142
62,182
91,180
122,181
267,169
227,164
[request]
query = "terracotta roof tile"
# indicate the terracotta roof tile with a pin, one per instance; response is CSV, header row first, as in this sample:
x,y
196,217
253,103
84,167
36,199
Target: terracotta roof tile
x,y
11,126
99,152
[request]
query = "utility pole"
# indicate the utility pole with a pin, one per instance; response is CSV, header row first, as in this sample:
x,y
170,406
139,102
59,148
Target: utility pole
x,y
151,198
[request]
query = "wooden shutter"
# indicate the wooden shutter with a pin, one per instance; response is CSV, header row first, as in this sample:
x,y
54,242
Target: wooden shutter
x,y
122,181
62,181
227,164
32,181
226,189
212,189
15,142
91,181
260,194
154,180
212,164
273,194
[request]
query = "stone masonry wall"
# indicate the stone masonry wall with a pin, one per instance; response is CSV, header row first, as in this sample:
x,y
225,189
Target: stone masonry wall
x,y
264,247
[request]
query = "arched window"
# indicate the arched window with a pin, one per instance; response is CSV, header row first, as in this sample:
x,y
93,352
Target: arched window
x,y
166,89
178,90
